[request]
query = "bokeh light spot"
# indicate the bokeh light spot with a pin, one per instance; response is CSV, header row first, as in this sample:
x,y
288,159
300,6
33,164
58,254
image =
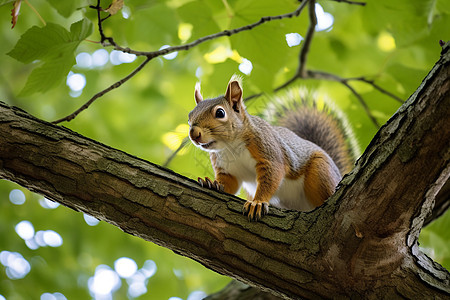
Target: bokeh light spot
x,y
100,58
52,238
104,282
17,267
25,230
84,60
125,267
48,204
76,82
324,20
184,31
171,55
293,39
246,66
90,220
386,42
17,197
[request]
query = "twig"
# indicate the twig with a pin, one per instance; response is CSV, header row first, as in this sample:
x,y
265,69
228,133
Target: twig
x,y
376,86
301,72
328,76
151,55
211,36
344,81
99,94
352,2
100,20
248,98
172,156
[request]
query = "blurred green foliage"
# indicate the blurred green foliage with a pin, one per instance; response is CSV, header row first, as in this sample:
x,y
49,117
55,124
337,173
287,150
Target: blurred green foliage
x,y
393,42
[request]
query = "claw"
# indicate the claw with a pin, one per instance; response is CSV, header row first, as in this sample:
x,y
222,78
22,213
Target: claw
x,y
254,210
208,183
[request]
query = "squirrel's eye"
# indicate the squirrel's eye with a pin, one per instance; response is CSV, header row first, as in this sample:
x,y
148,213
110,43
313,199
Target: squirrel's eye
x,y
220,113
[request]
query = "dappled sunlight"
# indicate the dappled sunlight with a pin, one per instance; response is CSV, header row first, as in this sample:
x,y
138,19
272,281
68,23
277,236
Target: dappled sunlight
x,y
221,53
218,55
184,31
173,140
386,42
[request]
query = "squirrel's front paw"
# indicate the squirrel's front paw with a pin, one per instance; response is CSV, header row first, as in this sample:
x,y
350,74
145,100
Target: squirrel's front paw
x,y
255,210
208,183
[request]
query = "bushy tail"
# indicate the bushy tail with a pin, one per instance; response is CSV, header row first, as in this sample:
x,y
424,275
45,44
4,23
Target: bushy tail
x,y
327,127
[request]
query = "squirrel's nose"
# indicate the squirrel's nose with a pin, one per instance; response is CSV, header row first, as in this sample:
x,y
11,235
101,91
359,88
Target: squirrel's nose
x,y
195,134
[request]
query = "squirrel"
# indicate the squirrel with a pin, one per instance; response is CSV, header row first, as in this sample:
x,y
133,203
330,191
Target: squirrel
x,y
297,166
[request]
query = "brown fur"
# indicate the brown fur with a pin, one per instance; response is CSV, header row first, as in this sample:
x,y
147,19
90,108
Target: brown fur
x,y
319,181
269,172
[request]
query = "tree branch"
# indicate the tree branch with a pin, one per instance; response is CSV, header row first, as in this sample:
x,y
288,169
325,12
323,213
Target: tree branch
x,y
362,241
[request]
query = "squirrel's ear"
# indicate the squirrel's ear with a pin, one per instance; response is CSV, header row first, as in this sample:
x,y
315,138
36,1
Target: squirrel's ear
x,y
234,94
197,95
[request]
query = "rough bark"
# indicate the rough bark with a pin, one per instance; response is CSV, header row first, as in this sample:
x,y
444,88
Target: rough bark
x,y
361,243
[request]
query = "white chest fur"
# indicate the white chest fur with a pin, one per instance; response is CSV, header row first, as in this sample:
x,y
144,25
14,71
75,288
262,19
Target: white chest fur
x,y
236,160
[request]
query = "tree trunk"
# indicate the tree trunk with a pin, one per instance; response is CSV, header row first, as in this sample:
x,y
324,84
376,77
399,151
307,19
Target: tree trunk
x,y
361,243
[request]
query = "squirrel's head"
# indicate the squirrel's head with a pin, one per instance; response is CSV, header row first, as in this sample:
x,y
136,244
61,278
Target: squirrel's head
x,y
217,123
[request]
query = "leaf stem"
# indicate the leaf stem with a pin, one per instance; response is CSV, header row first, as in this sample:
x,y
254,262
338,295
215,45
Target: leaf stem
x,y
36,12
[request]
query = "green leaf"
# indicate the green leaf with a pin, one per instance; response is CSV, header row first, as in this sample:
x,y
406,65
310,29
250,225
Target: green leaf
x,y
443,6
265,46
199,15
407,20
48,75
50,41
81,29
53,45
37,42
65,8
